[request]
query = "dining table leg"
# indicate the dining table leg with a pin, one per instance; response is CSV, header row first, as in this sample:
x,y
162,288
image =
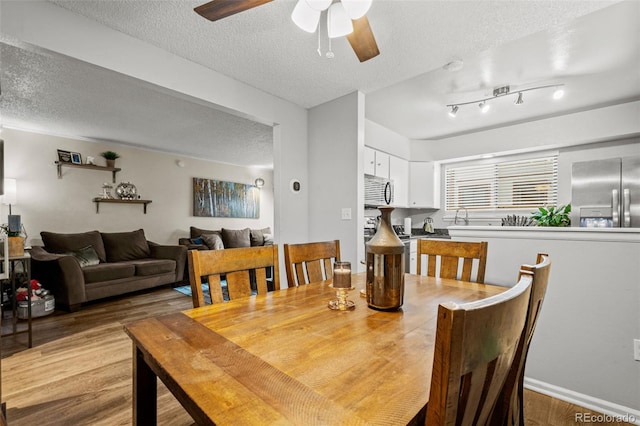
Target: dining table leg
x,y
145,398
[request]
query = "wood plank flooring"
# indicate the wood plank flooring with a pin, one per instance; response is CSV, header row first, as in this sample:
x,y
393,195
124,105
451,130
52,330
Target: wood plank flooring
x,y
79,369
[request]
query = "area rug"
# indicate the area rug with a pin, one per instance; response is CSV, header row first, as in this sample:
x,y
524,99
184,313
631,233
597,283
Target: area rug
x,y
186,289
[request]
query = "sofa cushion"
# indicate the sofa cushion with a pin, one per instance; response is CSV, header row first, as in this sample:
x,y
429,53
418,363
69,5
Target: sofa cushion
x,y
108,272
196,232
65,243
213,241
257,236
234,238
121,246
146,267
87,256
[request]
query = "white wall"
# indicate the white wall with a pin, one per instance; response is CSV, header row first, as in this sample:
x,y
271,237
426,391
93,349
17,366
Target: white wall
x,y
386,140
582,349
336,145
47,203
613,122
48,26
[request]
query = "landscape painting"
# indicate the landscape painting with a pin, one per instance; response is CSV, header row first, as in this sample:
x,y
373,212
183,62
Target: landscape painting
x,y
216,198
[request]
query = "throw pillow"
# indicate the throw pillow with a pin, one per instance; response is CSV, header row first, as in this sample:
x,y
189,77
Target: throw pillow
x,y
87,256
121,246
234,238
213,241
198,240
257,236
65,243
197,232
268,239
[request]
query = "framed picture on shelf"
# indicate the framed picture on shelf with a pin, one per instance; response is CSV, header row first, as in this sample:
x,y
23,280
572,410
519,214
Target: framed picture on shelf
x,y
76,158
64,156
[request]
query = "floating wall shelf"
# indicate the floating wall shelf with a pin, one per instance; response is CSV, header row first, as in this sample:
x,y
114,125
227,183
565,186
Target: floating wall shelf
x,y
118,201
113,170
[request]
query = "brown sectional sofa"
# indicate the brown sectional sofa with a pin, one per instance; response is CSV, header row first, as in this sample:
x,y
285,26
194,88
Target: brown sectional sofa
x,y
200,239
87,266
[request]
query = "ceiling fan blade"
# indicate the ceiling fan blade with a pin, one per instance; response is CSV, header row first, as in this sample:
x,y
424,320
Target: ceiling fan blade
x,y
218,9
362,40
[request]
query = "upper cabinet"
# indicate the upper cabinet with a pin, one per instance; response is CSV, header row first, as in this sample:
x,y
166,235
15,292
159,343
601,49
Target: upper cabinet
x,y
399,174
424,184
376,163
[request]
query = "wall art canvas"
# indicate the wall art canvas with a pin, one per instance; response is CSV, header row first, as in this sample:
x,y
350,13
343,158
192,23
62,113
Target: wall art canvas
x,y
216,198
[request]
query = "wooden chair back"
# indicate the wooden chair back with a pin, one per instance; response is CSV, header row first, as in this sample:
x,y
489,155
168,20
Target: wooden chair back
x,y
310,262
451,253
510,409
475,346
238,266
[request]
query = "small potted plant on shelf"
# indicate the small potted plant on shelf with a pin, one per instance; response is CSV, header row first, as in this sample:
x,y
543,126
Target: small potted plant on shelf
x,y
110,156
553,216
16,241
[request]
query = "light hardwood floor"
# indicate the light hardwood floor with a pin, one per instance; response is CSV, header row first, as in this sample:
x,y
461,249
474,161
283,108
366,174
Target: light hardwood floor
x,y
79,370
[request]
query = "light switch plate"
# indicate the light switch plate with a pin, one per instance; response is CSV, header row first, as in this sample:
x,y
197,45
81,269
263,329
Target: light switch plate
x,y
636,349
346,213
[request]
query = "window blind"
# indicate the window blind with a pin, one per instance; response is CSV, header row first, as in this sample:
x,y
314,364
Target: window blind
x,y
517,184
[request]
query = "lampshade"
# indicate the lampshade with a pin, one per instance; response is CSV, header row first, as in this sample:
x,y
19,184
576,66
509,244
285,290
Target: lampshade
x,y
356,8
10,196
338,22
305,17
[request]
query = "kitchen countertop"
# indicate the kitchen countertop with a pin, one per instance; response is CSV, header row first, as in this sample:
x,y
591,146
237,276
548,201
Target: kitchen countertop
x,y
571,233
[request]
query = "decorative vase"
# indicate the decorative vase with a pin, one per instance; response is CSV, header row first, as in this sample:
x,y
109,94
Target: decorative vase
x,y
111,163
385,266
16,246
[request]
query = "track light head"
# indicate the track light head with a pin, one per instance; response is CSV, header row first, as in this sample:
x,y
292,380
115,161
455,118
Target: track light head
x,y
484,107
454,111
519,101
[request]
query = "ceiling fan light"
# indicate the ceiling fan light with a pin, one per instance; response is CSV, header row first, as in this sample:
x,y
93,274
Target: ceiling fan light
x,y
319,5
558,93
454,111
484,107
305,17
519,101
338,22
356,9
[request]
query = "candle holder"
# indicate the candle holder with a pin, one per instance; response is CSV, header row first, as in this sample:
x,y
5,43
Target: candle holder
x,y
341,303
342,285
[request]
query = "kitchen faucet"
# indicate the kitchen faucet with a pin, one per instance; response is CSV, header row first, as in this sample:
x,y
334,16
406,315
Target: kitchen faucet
x,y
466,217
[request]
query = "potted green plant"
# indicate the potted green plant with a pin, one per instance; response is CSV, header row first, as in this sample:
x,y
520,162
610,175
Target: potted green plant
x,y
110,156
552,216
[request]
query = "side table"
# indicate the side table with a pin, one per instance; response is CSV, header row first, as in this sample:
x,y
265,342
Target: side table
x,y
25,261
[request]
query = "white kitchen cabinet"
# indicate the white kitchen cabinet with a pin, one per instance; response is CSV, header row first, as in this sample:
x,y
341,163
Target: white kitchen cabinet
x,y
376,163
424,184
399,174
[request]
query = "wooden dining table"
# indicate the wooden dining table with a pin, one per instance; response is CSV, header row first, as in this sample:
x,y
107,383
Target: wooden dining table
x,y
286,358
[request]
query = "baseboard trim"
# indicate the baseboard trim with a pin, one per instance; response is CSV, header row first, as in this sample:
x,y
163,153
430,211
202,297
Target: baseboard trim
x,y
595,404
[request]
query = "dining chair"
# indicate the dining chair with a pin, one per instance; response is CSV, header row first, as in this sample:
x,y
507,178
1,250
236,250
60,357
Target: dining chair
x,y
451,253
239,266
474,349
310,262
509,409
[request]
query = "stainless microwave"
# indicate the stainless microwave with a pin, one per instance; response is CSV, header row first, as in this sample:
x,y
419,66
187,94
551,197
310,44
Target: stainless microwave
x,y
377,191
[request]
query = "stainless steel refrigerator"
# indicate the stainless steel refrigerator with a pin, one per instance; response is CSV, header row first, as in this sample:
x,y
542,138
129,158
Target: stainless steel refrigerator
x,y
606,193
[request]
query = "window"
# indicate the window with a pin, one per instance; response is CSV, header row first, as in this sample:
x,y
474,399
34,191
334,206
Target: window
x,y
521,184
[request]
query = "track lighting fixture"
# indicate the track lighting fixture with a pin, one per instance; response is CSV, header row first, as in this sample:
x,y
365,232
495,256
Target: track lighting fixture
x,y
519,101
504,91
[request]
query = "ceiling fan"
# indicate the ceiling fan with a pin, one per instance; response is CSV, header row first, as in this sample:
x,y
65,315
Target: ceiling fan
x,y
361,38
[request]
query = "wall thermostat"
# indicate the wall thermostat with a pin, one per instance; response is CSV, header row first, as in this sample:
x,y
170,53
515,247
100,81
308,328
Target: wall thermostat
x,y
294,185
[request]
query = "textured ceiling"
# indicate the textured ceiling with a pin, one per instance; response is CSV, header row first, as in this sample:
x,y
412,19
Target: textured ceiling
x,y
590,46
